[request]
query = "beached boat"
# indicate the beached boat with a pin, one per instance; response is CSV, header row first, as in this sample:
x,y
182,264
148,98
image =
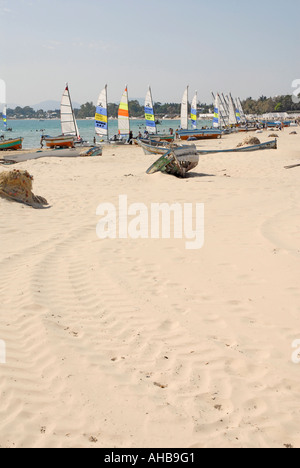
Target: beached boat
x,y
176,161
204,134
154,147
53,153
59,142
243,149
12,144
70,133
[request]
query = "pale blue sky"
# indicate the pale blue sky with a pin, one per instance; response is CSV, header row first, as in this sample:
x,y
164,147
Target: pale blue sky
x,y
249,48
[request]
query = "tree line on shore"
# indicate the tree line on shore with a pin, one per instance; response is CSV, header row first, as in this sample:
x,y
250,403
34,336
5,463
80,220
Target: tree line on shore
x,y
259,106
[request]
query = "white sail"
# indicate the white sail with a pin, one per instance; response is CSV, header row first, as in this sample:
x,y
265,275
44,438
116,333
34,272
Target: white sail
x,y
232,111
149,113
217,113
223,111
243,117
67,116
194,112
101,122
184,110
123,115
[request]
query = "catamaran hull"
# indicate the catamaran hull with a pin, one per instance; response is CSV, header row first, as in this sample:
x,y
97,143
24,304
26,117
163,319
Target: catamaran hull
x,y
11,144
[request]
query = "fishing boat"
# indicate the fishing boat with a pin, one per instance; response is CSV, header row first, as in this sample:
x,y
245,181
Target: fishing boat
x,y
12,144
262,146
195,134
154,147
123,121
70,133
53,153
101,117
176,161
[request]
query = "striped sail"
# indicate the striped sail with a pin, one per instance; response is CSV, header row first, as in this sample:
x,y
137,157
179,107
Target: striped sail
x,y
67,116
123,115
184,110
194,111
4,117
149,113
216,120
101,121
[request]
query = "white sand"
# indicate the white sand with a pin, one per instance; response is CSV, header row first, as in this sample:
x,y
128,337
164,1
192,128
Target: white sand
x,y
91,326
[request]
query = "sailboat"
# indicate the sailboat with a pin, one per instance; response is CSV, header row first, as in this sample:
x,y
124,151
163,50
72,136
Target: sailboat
x,y
149,114
101,120
70,133
184,133
151,122
123,121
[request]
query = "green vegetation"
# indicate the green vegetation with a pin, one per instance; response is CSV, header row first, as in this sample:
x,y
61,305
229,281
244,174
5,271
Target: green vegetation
x,y
260,106
266,105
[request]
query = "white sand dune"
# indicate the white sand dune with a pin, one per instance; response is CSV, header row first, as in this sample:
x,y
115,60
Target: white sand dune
x,y
142,343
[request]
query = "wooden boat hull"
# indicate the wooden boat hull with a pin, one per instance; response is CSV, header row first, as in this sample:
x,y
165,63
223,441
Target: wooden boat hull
x,y
177,161
59,142
54,153
199,134
154,148
163,137
13,144
268,145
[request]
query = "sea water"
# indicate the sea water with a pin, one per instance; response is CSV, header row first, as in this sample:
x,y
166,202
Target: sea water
x,y
32,130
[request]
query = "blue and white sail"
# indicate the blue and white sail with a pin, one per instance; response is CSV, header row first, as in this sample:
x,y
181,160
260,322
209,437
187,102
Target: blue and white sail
x,y
4,117
149,113
194,112
184,110
101,117
237,112
217,113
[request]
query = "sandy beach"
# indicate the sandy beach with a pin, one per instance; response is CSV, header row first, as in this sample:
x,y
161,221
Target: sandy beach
x,y
142,343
